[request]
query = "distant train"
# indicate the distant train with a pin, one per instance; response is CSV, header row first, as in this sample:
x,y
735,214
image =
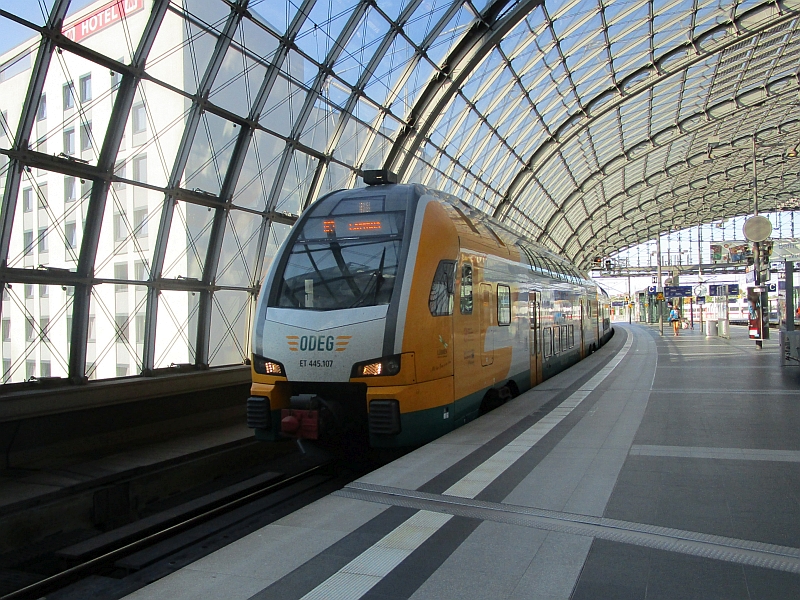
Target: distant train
x,y
400,312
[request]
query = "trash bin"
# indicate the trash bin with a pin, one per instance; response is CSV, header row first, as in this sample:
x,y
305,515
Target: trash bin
x,y
711,328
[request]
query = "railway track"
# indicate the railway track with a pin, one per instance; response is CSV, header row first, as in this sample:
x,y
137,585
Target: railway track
x,y
120,561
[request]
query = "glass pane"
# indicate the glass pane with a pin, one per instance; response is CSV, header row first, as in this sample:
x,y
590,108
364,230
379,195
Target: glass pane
x,y
258,172
211,151
275,15
153,131
48,221
275,237
243,69
35,331
129,230
297,183
188,241
176,336
78,101
116,328
239,249
284,103
15,75
229,324
323,26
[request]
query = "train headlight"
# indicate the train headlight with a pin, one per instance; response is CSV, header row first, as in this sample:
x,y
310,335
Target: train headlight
x,y
267,366
386,366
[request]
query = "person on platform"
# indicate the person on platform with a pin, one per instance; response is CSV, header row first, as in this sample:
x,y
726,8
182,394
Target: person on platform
x,y
675,319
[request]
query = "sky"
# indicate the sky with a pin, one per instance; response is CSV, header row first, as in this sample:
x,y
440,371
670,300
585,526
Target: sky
x,y
35,11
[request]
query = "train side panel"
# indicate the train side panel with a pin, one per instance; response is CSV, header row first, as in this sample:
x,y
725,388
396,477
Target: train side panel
x,y
426,408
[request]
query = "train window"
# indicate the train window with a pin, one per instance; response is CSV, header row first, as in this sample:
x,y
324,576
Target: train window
x,y
556,340
571,336
344,255
440,301
564,341
466,289
547,342
503,304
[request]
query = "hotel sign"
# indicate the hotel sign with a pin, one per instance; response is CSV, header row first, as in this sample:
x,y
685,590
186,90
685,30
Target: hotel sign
x,y
101,18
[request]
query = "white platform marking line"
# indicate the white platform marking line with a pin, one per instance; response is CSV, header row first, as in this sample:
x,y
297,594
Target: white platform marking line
x,y
366,570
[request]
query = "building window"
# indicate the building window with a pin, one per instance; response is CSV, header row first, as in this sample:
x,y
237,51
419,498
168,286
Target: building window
x,y
119,171
70,194
139,272
44,369
121,324
503,305
69,141
6,330
466,289
140,168
42,240
27,242
140,222
41,110
44,291
86,188
44,327
71,235
116,80
440,300
6,370
30,333
86,136
122,370
138,119
29,290
120,228
41,196
86,88
27,200
90,334
121,272
140,329
69,96
30,369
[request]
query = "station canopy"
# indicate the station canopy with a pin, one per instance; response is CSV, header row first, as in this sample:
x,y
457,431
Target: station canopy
x,y
205,127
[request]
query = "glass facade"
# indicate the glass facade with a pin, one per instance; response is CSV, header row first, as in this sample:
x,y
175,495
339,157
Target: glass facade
x,y
154,154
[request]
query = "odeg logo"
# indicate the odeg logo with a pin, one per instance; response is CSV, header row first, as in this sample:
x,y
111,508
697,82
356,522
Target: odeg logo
x,y
317,343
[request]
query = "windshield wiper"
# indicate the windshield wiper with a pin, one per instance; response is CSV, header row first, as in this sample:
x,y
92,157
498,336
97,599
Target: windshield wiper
x,y
377,277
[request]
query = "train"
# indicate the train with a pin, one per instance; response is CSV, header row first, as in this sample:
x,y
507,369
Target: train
x,y
398,312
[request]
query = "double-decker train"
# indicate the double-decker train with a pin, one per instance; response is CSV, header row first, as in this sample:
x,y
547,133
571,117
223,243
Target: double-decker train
x,y
400,312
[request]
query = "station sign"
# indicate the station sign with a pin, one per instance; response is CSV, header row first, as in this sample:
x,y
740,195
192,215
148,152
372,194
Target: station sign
x,y
651,289
720,289
677,291
701,299
617,304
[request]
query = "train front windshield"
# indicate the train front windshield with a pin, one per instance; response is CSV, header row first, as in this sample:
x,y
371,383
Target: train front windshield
x,y
345,255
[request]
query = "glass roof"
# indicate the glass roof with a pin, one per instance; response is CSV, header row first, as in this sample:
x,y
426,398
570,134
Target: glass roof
x,y
154,154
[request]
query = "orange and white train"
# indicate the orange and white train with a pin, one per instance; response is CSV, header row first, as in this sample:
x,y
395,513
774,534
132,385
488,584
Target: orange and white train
x,y
398,312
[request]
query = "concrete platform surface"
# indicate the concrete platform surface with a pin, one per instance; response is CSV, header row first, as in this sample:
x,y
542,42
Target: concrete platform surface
x,y
659,467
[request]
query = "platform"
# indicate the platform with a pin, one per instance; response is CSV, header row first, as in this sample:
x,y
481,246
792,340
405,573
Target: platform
x,y
659,467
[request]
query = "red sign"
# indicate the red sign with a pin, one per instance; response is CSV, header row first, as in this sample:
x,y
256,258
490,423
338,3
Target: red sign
x,y
101,18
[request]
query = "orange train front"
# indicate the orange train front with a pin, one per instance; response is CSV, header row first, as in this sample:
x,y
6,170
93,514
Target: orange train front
x,y
399,312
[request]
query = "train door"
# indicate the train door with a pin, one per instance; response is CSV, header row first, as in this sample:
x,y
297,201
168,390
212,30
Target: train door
x,y
536,353
583,327
486,319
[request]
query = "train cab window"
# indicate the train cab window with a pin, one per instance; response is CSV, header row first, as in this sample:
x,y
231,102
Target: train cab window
x,y
571,336
547,342
466,289
503,305
440,301
343,254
